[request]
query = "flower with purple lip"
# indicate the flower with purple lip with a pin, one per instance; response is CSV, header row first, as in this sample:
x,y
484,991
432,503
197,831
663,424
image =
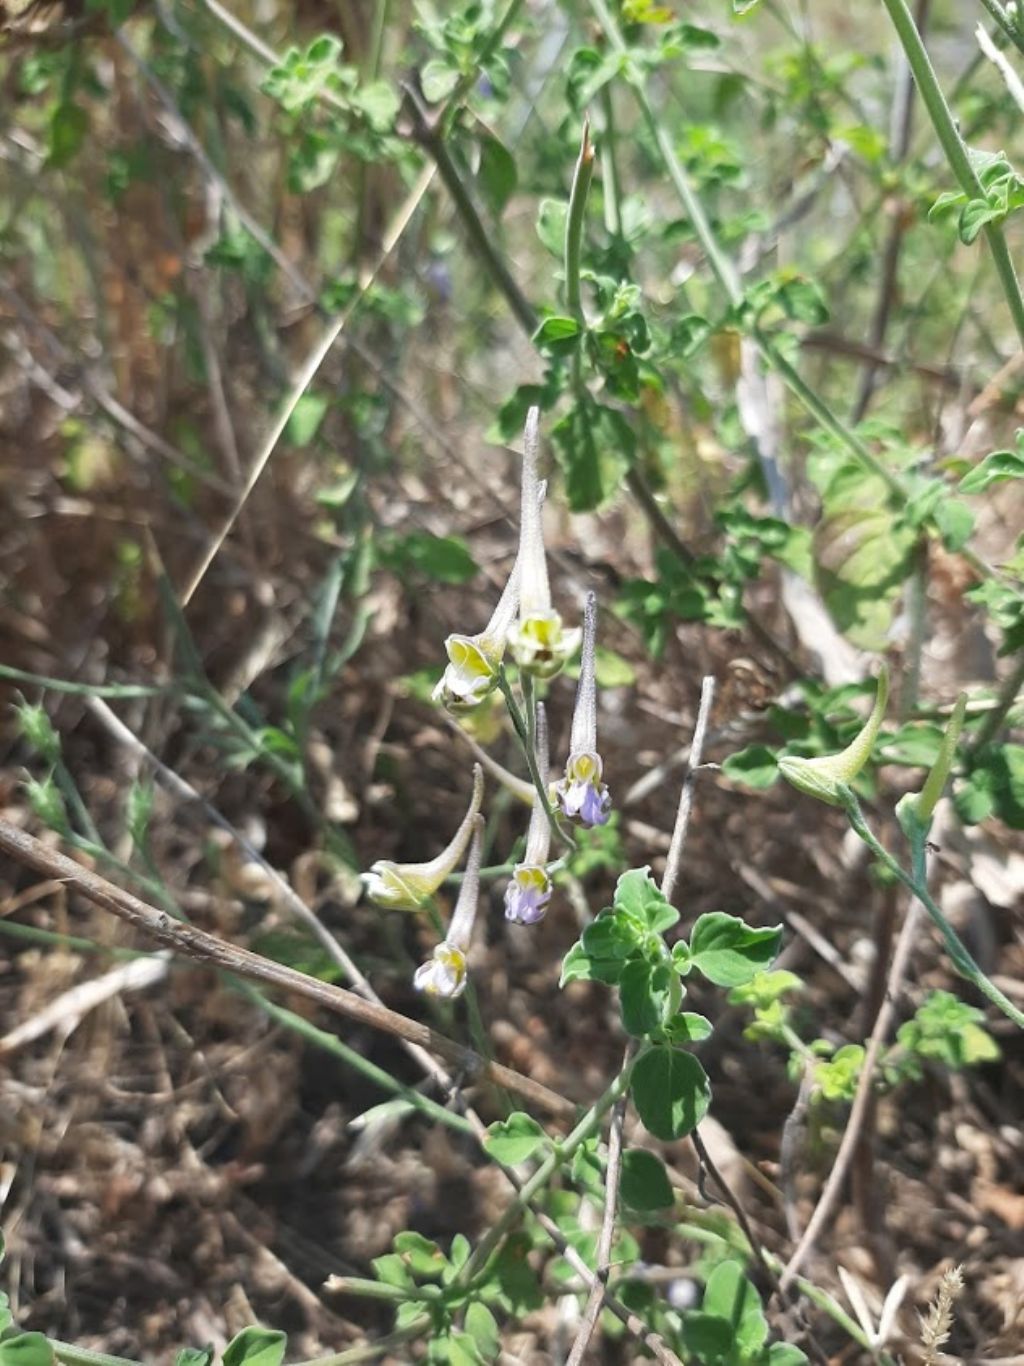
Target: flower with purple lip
x,y
444,973
528,893
581,793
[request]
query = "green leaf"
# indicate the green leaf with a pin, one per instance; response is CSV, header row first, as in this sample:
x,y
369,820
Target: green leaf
x,y
551,218
580,966
483,1329
497,173
974,215
755,766
515,1276
671,1092
640,898
955,521
306,418
765,988
688,335
649,995
784,1354
688,1027
458,1349
379,103
445,559
69,125
594,445
611,935
729,952
194,1356
645,1184
611,670
255,1346
915,745
994,469
729,1295
947,1030
393,1270
422,1255
26,1349
838,1076
438,80
557,336
515,1139
707,1336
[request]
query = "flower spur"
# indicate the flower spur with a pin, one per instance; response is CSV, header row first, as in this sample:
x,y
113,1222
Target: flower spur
x,y
405,886
581,793
540,643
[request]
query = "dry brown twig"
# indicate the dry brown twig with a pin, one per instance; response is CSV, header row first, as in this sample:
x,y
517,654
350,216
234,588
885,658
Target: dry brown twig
x,y
194,943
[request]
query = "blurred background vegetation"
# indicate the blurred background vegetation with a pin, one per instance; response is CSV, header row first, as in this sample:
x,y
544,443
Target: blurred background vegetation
x,y
278,283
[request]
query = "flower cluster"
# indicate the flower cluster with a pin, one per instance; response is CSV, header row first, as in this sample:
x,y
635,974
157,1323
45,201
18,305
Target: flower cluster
x,y
526,624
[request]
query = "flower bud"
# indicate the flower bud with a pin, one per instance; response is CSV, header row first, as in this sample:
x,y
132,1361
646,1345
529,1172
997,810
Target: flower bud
x,y
914,813
529,891
444,974
581,793
825,776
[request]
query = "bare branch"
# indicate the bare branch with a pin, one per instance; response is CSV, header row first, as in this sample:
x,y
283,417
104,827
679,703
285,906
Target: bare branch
x,y
700,730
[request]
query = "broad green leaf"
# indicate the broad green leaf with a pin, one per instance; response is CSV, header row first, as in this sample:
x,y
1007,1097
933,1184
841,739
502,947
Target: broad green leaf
x,y
916,745
305,420
838,1075
551,218
438,80
422,1255
255,1346
649,995
515,1139
515,1276
26,1349
195,1356
611,935
784,1354
955,521
755,766
645,1184
688,1027
671,1092
557,335
483,1329
994,469
580,966
638,896
497,173
729,1295
727,951
445,559
708,1337
393,1270
69,126
594,445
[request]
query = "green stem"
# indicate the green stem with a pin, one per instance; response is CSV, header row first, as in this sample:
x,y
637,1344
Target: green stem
x,y
1005,23
531,758
574,226
915,882
481,1254
955,150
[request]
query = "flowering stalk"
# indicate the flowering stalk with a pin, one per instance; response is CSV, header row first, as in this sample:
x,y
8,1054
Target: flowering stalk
x,y
581,793
444,974
540,643
529,891
406,886
827,776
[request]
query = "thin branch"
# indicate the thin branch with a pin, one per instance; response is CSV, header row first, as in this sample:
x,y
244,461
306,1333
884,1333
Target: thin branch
x,y
700,730
207,948
613,1174
859,1108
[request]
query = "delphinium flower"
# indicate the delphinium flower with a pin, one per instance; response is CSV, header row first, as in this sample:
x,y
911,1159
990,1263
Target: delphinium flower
x,y
444,974
405,886
473,661
581,793
540,643
529,891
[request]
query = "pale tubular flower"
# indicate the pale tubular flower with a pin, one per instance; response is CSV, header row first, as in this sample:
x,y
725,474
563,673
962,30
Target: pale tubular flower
x,y
826,776
581,793
444,974
473,661
529,891
405,886
540,643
